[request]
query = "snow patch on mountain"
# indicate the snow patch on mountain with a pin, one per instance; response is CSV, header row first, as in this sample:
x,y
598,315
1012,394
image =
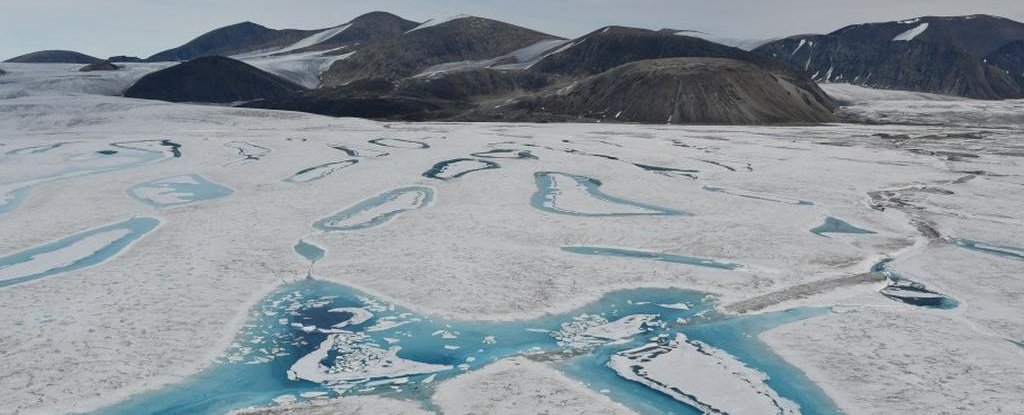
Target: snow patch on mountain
x,y
520,59
745,44
301,68
911,34
435,22
315,39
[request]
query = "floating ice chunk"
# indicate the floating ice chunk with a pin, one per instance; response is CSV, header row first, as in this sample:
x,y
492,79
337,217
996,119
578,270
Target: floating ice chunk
x,y
622,328
445,334
356,361
701,376
383,325
359,316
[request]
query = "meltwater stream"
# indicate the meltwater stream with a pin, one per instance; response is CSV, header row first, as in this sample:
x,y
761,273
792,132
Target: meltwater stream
x,y
312,339
72,253
378,209
570,194
991,249
132,154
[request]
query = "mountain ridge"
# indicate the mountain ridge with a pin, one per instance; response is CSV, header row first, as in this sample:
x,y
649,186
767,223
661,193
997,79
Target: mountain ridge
x,y
950,55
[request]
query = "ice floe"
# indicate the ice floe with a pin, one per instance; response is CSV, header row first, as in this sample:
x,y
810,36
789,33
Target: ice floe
x,y
706,378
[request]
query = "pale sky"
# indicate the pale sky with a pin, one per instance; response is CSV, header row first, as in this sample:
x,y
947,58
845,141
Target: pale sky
x,y
104,28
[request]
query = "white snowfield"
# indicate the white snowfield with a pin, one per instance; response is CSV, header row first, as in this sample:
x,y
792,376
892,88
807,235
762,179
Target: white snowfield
x,y
168,305
61,78
521,386
907,107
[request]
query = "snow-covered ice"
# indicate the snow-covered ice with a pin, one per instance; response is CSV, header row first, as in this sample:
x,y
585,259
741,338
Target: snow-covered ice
x,y
169,305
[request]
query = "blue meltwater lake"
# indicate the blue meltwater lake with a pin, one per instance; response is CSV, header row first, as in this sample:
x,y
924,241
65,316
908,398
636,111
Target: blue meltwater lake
x,y
313,339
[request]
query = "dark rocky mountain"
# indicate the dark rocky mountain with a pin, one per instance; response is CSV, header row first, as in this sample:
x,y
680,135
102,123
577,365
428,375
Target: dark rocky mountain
x,y
944,55
679,91
369,27
237,38
977,35
612,46
417,98
250,37
1011,58
211,79
368,98
673,90
54,56
99,66
472,68
461,39
125,59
